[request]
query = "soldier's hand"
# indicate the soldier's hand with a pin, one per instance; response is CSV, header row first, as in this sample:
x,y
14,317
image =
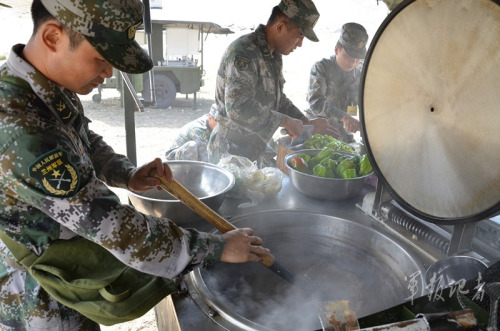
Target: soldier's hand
x,y
142,178
242,246
350,123
321,126
293,126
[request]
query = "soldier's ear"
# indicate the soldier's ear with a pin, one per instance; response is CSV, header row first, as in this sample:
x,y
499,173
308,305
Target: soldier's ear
x,y
51,35
280,26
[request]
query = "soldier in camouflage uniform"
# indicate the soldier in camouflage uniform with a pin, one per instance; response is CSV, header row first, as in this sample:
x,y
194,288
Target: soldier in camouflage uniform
x,y
54,171
334,82
191,142
249,96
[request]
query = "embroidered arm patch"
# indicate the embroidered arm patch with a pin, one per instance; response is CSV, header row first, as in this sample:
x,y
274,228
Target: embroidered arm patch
x,y
241,63
55,173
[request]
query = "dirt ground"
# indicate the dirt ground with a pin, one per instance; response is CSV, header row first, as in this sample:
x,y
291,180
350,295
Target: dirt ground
x,y
155,128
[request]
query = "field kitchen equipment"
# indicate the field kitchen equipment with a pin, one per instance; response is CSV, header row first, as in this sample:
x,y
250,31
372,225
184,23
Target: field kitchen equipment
x,y
429,115
178,58
177,53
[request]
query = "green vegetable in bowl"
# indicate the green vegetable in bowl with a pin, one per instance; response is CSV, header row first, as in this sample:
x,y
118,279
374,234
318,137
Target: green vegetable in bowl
x,y
319,141
328,163
349,173
325,153
319,170
365,166
330,166
343,166
325,169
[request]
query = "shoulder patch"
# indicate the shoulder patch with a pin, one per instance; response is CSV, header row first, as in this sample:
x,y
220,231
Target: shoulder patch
x,y
55,173
63,109
241,63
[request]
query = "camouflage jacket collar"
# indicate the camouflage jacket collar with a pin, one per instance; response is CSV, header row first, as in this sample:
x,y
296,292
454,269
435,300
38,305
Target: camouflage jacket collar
x,y
63,103
260,35
273,61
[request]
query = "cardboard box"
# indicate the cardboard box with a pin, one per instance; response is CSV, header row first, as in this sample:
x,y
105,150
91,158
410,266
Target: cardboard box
x,y
285,148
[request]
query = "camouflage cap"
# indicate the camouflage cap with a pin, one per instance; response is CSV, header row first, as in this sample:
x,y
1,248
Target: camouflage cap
x,y
213,111
353,38
109,26
303,13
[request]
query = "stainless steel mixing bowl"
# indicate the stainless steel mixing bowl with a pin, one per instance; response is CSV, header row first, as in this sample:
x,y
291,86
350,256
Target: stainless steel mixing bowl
x,y
323,188
208,182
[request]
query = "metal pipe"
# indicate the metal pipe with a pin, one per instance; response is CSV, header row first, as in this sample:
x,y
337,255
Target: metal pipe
x,y
148,30
129,112
132,91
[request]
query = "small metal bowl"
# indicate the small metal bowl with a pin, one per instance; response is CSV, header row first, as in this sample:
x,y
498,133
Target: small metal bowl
x,y
208,182
323,188
452,269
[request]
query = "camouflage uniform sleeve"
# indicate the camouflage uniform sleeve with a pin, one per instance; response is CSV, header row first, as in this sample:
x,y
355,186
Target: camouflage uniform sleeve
x,y
115,169
316,95
193,135
199,130
50,180
243,95
288,108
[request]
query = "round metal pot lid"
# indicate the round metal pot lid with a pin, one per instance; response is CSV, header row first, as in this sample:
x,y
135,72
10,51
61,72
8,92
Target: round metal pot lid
x,y
430,108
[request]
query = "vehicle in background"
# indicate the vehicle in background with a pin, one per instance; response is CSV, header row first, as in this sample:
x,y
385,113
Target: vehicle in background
x,y
177,53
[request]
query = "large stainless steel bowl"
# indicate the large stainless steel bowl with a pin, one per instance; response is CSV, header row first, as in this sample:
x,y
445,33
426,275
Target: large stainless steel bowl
x,y
323,188
208,182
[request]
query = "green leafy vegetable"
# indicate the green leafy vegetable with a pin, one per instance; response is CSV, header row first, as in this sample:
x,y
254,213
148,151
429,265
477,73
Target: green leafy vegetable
x,y
343,166
348,173
319,141
319,170
325,153
365,166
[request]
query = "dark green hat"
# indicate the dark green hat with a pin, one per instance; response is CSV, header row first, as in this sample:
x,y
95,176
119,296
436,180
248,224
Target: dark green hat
x,y
353,38
109,26
303,13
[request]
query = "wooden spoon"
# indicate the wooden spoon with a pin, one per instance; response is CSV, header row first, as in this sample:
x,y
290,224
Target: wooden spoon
x,y
186,197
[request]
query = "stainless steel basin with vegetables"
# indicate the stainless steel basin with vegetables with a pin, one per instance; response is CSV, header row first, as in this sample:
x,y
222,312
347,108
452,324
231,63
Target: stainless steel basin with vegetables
x,y
320,187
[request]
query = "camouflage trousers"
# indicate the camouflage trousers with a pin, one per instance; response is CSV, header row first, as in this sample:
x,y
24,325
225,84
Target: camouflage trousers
x,y
24,305
191,150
